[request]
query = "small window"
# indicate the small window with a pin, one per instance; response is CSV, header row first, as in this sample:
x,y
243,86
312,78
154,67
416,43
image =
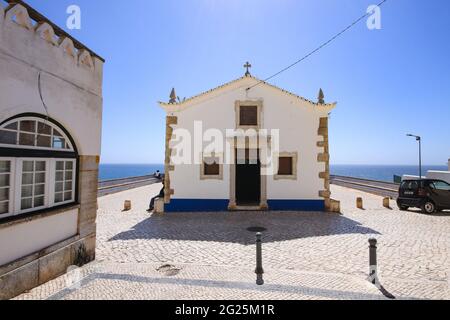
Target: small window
x,y
248,116
211,168
287,166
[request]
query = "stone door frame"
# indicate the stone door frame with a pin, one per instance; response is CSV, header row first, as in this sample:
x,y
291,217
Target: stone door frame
x,y
232,206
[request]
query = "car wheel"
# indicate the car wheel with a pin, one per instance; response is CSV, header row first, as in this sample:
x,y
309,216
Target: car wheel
x,y
401,206
428,207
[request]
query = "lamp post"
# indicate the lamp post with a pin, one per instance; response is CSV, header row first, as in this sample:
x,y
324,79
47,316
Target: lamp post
x,y
419,139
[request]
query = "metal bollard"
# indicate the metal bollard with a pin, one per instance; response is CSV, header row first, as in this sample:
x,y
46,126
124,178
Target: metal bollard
x,y
373,275
259,269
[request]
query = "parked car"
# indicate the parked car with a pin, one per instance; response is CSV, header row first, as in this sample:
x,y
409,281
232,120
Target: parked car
x,y
428,194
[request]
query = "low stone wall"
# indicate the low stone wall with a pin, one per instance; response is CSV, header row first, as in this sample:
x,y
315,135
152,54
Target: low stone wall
x,y
107,187
43,266
115,182
381,188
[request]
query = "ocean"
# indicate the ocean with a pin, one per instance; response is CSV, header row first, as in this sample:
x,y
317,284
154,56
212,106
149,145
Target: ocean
x,y
374,172
381,172
117,171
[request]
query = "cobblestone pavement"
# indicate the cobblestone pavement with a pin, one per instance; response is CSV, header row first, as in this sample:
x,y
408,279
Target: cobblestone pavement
x,y
413,248
113,281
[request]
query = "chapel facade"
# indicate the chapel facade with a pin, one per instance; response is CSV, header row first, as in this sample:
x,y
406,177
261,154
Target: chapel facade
x,y
247,145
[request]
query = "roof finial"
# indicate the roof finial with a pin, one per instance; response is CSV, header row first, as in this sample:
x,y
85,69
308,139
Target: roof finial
x,y
173,96
321,98
247,65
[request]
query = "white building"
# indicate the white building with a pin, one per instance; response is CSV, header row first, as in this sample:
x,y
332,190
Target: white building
x,y
214,181
50,133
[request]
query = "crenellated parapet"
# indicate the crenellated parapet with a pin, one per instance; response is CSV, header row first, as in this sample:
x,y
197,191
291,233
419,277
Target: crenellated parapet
x,y
48,72
28,36
46,32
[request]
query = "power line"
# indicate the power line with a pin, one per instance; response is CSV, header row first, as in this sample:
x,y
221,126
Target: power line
x,y
318,48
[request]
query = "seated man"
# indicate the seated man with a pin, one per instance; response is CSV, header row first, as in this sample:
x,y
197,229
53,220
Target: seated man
x,y
157,175
152,201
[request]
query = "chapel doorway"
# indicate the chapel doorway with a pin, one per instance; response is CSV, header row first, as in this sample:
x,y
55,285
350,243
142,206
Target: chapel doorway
x,y
248,177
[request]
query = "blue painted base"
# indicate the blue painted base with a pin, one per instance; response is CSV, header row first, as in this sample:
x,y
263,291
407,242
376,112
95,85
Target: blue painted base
x,y
217,205
196,205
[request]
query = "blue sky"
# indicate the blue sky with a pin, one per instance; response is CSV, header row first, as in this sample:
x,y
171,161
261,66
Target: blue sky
x,y
387,82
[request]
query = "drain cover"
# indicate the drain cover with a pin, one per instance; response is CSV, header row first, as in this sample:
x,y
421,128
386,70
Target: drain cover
x,y
256,229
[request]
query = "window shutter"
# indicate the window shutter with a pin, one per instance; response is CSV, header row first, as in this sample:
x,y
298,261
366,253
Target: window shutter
x,y
285,166
212,169
248,116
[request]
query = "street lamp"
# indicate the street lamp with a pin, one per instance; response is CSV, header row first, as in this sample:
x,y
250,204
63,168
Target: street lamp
x,y
419,139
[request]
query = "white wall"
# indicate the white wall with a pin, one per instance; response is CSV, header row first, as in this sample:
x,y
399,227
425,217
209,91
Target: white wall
x,y
21,240
71,91
298,121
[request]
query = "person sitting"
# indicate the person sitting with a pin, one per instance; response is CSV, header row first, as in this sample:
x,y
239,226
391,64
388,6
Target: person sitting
x,y
157,175
152,201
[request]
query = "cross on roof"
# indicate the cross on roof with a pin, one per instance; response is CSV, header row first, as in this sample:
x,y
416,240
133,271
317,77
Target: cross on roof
x,y
247,65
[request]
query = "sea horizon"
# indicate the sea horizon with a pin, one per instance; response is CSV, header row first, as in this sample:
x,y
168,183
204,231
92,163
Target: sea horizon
x,y
382,172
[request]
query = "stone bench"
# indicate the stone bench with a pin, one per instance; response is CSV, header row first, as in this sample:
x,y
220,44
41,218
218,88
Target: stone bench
x,y
159,205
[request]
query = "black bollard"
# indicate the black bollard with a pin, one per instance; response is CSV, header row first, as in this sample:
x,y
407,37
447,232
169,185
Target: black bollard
x,y
259,269
373,276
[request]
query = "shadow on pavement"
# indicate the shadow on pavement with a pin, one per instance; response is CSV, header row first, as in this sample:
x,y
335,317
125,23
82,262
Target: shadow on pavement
x,y
294,289
232,227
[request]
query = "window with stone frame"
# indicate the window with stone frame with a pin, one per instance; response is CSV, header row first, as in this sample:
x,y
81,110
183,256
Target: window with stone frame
x,y
287,166
211,168
248,115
